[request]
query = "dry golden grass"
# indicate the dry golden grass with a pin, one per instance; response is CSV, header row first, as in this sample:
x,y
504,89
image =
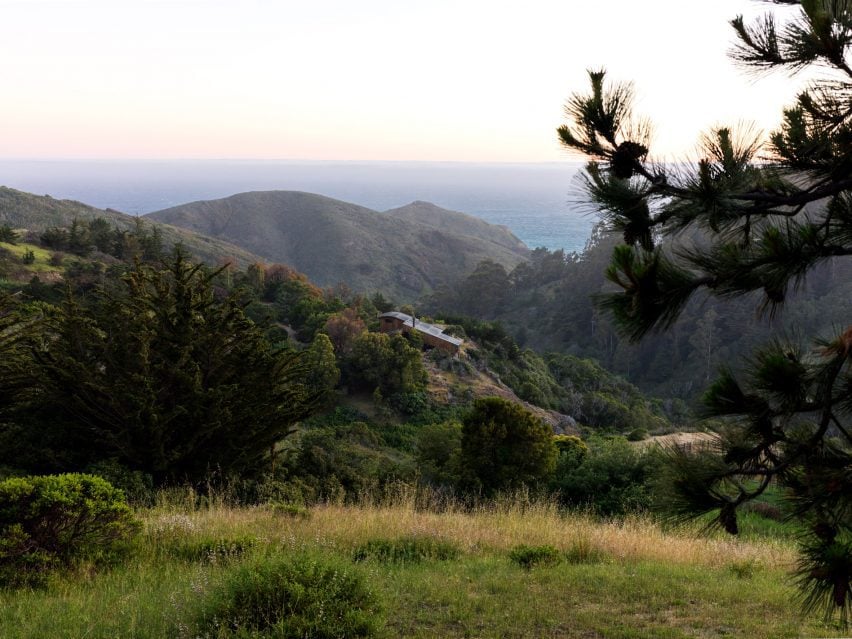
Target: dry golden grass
x,y
495,528
678,439
627,578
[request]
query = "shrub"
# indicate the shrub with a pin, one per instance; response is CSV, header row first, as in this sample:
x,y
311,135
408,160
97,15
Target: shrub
x,y
612,479
406,550
386,362
8,235
438,450
528,557
765,510
53,521
285,598
637,435
505,446
572,446
410,403
744,568
138,487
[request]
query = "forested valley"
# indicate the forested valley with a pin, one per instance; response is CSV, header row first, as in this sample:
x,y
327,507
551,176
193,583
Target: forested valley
x,y
548,304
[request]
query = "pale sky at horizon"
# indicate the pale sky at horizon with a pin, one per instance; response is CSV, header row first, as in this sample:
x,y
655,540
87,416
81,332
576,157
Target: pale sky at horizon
x,y
467,80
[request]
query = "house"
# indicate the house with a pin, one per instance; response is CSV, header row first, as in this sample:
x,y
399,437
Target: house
x,y
433,336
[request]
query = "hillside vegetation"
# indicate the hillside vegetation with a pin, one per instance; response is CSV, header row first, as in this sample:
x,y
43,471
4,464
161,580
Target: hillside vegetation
x,y
548,303
37,213
405,253
388,411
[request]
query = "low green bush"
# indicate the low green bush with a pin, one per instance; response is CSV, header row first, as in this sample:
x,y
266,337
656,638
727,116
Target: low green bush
x,y
406,550
528,557
765,510
138,487
638,435
53,521
291,598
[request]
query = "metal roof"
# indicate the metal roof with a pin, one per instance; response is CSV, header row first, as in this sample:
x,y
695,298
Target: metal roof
x,y
423,327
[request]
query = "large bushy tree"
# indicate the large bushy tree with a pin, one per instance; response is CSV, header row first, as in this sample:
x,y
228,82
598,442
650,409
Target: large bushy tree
x,y
386,362
166,378
750,220
504,446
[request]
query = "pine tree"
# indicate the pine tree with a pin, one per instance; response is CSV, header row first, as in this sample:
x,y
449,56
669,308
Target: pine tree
x,y
750,220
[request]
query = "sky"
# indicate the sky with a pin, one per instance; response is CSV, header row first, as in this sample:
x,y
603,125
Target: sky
x,y
443,80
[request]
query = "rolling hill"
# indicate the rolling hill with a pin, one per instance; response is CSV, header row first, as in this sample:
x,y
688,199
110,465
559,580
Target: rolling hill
x,y
435,217
404,252
22,210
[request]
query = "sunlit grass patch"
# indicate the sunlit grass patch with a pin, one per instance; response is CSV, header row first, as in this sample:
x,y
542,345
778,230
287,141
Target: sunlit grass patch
x,y
620,578
41,263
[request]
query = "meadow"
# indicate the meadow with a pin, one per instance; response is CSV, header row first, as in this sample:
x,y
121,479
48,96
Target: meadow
x,y
627,578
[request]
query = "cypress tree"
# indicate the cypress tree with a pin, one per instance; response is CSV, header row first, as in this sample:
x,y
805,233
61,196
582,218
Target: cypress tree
x,y
168,379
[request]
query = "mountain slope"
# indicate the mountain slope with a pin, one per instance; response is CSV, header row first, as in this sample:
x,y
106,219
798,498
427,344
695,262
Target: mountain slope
x,y
22,210
333,241
435,217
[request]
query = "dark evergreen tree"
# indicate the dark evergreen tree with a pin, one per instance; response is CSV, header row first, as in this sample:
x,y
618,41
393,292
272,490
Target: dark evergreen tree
x,y
8,234
78,238
761,218
101,234
505,446
167,379
14,331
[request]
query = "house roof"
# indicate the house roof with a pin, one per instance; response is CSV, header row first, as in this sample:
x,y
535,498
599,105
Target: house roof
x,y
424,327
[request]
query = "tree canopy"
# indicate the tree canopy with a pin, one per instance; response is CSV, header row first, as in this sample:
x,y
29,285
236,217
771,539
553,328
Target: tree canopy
x,y
164,376
750,220
504,446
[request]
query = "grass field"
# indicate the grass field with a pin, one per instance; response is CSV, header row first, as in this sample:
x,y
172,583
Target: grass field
x,y
631,580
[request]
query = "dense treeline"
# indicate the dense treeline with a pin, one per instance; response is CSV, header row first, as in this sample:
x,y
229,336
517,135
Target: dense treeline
x,y
149,369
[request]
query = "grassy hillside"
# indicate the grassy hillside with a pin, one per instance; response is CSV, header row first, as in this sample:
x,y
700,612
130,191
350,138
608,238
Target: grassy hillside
x,y
16,269
624,579
333,241
36,213
435,217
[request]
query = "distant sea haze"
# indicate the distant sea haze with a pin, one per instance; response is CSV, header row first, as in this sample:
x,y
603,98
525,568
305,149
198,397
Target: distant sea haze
x,y
540,203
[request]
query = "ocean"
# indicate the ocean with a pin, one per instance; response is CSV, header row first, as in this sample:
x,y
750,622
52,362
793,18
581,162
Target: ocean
x,y
541,203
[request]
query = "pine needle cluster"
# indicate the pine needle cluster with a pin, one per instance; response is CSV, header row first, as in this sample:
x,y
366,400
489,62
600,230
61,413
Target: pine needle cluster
x,y
751,219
